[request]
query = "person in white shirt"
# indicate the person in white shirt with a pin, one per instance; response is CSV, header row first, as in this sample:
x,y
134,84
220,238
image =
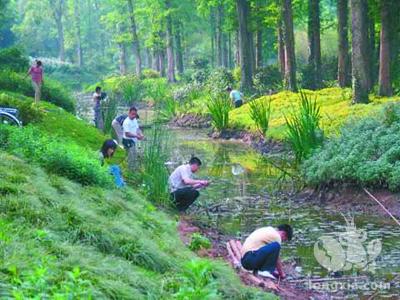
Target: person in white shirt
x,y
131,135
235,96
183,187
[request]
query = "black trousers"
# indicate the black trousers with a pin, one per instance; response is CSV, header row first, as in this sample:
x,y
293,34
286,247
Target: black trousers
x,y
183,198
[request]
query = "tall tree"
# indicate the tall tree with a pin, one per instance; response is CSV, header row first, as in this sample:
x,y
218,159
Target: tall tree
x,y
288,38
360,60
170,45
343,44
77,19
385,83
58,12
245,41
314,43
281,48
179,48
135,39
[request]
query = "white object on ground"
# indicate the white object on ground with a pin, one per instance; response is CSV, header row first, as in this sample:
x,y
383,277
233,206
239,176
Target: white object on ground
x,y
266,274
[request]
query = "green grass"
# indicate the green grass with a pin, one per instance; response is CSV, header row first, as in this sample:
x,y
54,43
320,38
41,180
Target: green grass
x,y
59,238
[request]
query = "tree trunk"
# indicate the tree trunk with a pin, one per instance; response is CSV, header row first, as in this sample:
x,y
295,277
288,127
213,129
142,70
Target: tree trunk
x,y
219,38
237,53
314,43
179,49
149,58
360,61
372,55
343,44
230,59
170,44
135,39
245,38
213,38
385,83
288,37
281,49
156,64
77,18
122,59
161,61
58,9
259,48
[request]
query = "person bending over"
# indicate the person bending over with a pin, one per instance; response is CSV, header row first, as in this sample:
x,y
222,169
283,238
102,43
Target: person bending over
x,y
107,151
235,96
260,251
131,135
184,189
117,124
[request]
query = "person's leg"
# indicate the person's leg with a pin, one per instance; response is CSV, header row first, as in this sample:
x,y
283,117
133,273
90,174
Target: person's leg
x,y
39,92
185,197
118,131
266,257
36,89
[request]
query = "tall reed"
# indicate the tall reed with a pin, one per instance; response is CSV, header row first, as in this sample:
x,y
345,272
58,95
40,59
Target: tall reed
x,y
260,113
219,108
304,133
109,111
155,173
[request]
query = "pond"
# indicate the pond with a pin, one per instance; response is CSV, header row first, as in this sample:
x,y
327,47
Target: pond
x,y
247,191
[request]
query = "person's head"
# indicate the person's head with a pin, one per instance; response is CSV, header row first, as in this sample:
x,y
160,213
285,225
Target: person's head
x,y
285,231
108,148
38,63
229,89
98,89
195,164
132,113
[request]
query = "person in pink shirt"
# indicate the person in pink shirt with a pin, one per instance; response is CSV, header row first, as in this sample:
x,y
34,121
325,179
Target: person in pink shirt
x,y
36,73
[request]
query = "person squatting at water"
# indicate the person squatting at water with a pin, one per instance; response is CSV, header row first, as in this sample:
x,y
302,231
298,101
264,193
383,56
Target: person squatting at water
x,y
107,151
183,188
235,96
117,126
132,134
260,251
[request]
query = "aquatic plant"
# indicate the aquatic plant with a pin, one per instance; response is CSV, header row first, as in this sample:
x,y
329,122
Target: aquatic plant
x,y
260,112
304,133
219,108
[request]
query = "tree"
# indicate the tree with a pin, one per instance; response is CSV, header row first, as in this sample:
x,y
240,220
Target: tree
x,y
245,53
179,48
58,10
360,60
385,84
288,38
77,20
343,44
170,49
314,43
135,39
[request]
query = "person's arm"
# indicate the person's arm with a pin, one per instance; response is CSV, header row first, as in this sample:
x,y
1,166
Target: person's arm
x,y
29,72
279,268
130,134
194,182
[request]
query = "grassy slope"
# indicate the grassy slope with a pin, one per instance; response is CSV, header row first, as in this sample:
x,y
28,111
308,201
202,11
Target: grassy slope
x,y
335,110
59,238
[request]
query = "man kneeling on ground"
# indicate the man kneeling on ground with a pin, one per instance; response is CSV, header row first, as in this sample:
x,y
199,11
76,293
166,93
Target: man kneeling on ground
x,y
182,185
260,252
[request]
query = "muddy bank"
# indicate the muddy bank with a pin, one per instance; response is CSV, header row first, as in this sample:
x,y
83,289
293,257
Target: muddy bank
x,y
191,121
285,289
352,198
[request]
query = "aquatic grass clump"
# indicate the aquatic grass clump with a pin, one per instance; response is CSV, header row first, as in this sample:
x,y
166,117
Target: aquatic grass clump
x,y
219,108
260,112
304,133
155,174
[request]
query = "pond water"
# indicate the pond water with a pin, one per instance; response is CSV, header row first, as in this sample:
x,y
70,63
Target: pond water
x,y
248,192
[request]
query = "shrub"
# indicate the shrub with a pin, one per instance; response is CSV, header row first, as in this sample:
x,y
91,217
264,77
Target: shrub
x,y
130,87
157,89
267,79
200,76
150,73
219,108
367,152
65,159
198,242
219,80
260,113
304,133
13,59
27,113
52,91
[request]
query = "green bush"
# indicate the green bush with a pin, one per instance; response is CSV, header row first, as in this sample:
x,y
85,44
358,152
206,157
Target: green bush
x,y
267,79
27,113
219,108
367,152
61,158
198,242
219,80
150,73
304,133
52,91
13,59
260,113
